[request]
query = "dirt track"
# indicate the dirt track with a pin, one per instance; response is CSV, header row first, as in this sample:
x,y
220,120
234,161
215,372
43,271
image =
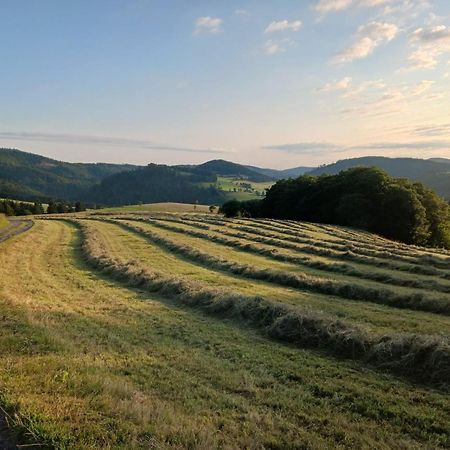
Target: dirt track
x,y
16,226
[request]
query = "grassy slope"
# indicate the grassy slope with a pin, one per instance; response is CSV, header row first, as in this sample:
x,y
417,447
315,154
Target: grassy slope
x,y
99,366
159,207
377,318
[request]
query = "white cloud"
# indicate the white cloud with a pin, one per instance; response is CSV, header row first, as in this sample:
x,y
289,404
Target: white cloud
x,y
421,87
368,38
240,12
274,46
283,25
348,89
208,25
325,6
338,85
365,86
430,43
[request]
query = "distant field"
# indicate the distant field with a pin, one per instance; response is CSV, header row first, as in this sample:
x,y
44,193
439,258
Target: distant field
x,y
240,189
44,205
165,327
160,207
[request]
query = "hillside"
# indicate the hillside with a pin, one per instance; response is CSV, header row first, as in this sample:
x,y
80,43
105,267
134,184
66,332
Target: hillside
x,y
284,173
435,173
151,184
189,331
26,176
230,169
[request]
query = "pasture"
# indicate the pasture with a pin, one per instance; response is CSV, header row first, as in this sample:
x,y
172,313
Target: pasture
x,y
166,327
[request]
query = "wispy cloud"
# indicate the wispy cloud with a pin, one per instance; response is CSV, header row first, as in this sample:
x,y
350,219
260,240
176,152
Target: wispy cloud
x,y
328,148
433,130
275,46
206,24
283,25
368,38
337,85
100,141
307,148
415,145
326,6
430,43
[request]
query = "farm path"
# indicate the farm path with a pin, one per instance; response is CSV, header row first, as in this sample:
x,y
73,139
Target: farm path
x,y
16,226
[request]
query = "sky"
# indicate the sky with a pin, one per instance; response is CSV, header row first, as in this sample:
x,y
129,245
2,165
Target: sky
x,y
270,83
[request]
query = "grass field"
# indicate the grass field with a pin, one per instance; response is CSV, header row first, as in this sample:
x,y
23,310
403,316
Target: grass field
x,y
171,328
158,207
240,189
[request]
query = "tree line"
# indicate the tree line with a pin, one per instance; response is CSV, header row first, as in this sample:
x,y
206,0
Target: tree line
x,y
16,208
362,197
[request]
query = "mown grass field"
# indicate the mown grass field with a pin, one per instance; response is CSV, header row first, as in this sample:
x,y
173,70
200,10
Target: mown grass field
x,y
159,207
154,329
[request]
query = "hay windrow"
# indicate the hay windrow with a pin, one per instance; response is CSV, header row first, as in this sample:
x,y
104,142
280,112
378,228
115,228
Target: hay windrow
x,y
422,359
420,301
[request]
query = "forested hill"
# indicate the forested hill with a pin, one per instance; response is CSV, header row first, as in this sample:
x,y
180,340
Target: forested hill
x,y
155,183
26,176
284,173
434,173
227,168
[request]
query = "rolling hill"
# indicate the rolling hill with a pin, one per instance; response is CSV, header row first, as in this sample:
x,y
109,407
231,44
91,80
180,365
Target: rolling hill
x,y
280,174
434,173
26,176
151,184
230,169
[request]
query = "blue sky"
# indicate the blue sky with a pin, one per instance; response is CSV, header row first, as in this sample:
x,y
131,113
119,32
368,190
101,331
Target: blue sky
x,y
274,84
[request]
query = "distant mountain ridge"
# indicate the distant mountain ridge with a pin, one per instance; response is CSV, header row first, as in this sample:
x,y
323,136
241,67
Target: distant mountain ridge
x,y
283,173
27,176
434,173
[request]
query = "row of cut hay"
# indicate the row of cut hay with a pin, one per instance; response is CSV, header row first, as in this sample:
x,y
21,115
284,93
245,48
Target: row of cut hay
x,y
419,302
410,257
364,237
314,248
365,242
424,359
343,268
254,236
329,249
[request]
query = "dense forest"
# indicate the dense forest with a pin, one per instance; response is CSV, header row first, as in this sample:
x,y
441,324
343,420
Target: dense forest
x,y
434,173
155,183
26,176
365,198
